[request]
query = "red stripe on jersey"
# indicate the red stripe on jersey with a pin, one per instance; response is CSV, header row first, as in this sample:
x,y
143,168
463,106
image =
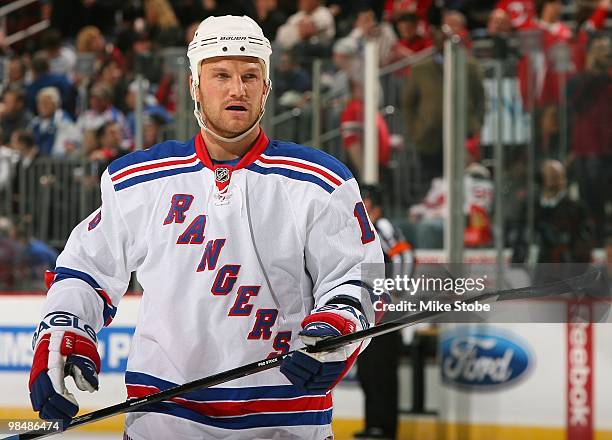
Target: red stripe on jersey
x,y
258,147
240,408
153,166
303,166
49,278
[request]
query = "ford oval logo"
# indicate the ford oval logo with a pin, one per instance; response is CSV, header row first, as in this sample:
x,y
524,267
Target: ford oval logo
x,y
484,358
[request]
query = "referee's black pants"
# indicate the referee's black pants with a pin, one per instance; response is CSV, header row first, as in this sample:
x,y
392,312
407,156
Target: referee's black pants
x,y
377,370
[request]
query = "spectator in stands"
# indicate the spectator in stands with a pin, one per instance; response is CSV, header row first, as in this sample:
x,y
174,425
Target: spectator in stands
x,y
309,32
109,144
538,76
8,160
408,31
22,141
142,57
368,27
520,12
422,107
37,257
589,20
269,17
291,82
499,23
42,77
421,8
90,40
562,226
13,113
100,111
150,106
590,106
543,71
377,367
24,182
152,125
454,23
162,24
346,60
10,255
16,72
62,58
351,127
55,133
111,74
344,15
427,217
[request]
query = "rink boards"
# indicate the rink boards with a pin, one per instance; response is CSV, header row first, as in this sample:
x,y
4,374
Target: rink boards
x,y
548,381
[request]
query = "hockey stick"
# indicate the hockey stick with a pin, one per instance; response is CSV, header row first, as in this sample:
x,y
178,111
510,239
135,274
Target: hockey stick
x,y
550,289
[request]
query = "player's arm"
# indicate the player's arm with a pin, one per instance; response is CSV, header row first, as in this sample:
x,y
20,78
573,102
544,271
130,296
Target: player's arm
x,y
91,275
343,257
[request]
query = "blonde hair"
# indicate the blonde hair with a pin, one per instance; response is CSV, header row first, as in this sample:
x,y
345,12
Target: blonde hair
x,y
86,37
166,18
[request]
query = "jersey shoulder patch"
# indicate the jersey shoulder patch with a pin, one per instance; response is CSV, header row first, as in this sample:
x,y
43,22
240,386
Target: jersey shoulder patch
x,y
164,159
299,162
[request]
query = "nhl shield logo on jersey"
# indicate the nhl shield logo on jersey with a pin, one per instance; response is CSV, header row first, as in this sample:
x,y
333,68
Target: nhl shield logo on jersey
x,y
222,174
222,181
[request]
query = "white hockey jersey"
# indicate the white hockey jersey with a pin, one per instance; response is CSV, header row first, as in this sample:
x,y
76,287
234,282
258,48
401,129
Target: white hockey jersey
x,y
231,256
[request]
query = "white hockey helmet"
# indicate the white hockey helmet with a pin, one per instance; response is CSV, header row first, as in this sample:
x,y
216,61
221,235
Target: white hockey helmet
x,y
224,36
228,35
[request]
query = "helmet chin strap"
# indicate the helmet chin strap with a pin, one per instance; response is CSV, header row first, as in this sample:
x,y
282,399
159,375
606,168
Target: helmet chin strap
x,y
199,117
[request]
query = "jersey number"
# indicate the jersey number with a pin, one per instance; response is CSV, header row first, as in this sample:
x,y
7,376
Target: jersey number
x,y
367,234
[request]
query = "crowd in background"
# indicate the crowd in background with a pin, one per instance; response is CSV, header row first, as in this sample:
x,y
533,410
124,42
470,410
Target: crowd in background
x,y
69,92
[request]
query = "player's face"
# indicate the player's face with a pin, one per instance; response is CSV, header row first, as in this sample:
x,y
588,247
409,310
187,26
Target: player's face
x,y
230,92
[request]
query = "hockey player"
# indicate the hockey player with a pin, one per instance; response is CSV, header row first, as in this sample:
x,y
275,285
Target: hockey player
x,y
245,247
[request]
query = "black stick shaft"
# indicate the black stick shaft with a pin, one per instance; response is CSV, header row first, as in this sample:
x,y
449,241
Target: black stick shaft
x,y
555,288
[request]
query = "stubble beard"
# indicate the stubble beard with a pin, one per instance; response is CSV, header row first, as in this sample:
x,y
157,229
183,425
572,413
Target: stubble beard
x,y
223,131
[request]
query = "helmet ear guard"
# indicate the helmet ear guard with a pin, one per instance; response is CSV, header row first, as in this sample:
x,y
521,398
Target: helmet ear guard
x,y
227,36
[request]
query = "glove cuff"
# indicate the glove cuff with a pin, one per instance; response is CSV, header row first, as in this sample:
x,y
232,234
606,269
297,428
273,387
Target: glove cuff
x,y
63,322
334,322
343,318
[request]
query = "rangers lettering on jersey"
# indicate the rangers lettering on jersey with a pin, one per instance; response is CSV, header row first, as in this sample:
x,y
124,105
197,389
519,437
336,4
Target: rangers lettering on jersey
x,y
226,285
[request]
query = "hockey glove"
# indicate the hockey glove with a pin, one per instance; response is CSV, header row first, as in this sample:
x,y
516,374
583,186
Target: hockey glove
x,y
318,372
60,353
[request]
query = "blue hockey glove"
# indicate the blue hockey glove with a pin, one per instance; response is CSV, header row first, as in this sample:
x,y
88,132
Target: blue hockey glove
x,y
317,373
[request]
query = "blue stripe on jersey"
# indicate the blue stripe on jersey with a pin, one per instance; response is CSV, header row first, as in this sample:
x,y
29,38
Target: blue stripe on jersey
x,y
159,151
213,394
249,421
157,175
289,149
63,273
384,296
292,174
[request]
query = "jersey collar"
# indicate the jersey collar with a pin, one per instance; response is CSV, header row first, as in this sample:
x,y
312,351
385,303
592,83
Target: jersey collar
x,y
223,171
261,143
